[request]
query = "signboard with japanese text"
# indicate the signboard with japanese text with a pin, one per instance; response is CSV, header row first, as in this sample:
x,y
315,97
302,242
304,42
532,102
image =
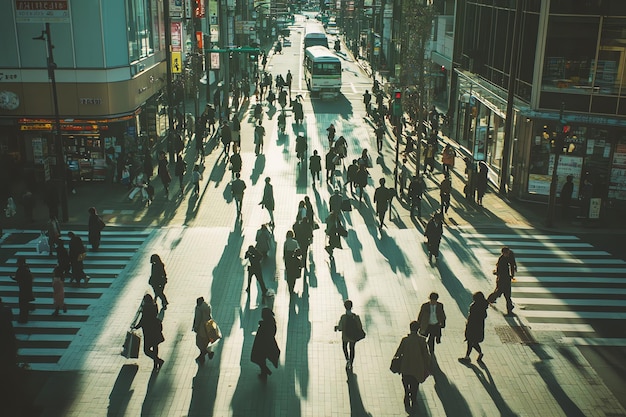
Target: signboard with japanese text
x,y
213,12
617,182
177,62
595,204
199,10
177,36
215,60
42,11
176,8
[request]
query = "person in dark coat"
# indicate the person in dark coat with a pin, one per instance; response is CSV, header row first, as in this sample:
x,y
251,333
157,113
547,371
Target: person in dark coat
x,y
505,270
158,279
254,255
179,171
566,196
475,326
432,318
77,249
416,191
227,137
96,224
293,260
481,181
330,164
235,163
202,314
433,233
152,330
415,364
164,173
267,201
361,180
303,231
24,279
148,166
315,166
265,346
382,197
63,258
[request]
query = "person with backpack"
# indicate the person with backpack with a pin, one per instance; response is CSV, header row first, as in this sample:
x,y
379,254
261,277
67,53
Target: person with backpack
x,y
351,330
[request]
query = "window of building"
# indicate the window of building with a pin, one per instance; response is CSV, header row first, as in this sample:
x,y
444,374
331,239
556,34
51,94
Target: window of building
x,y
610,71
569,54
142,18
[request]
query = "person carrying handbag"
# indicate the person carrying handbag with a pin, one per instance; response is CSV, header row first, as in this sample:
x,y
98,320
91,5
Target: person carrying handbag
x,y
415,364
201,316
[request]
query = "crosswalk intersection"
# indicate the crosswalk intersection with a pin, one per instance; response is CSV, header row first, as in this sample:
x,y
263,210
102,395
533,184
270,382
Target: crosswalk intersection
x,y
44,339
563,285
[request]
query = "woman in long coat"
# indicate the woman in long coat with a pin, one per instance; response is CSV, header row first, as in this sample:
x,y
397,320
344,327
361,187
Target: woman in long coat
x,y
24,279
268,199
265,346
415,363
158,279
202,314
96,224
164,173
475,326
152,330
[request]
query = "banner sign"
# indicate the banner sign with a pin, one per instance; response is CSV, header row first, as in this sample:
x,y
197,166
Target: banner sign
x,y
177,36
177,62
42,11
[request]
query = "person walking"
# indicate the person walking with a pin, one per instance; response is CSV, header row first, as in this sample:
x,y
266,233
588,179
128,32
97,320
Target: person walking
x,y
303,233
429,158
351,330
405,175
447,159
331,134
254,256
24,279
259,135
235,162
288,80
96,224
379,131
227,137
475,326
158,279
54,233
196,177
267,201
293,260
265,346
351,174
329,159
263,240
361,180
199,136
164,173
382,198
416,191
445,189
566,196
202,314
481,181
152,330
63,258
236,132
179,170
335,200
432,319
58,291
504,274
333,230
415,364
367,100
237,188
315,166
148,166
78,253
433,233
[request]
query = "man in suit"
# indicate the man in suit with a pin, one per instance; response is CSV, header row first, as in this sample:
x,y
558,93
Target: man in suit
x,y
432,319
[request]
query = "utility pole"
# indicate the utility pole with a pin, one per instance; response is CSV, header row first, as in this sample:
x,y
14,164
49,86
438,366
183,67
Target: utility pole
x,y
58,138
558,148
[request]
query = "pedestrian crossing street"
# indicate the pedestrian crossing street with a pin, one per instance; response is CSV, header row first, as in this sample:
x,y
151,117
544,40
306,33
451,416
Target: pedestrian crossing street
x,y
563,285
44,339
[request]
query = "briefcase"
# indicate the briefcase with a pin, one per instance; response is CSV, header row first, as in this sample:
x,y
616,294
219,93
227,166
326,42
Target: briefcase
x,y
346,205
130,349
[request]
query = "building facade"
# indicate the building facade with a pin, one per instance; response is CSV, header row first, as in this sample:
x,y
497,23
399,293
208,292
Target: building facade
x,y
111,76
569,84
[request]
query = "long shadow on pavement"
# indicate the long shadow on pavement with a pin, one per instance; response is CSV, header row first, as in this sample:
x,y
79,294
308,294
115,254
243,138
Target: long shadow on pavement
x,y
454,286
451,398
296,351
485,378
259,167
121,392
357,409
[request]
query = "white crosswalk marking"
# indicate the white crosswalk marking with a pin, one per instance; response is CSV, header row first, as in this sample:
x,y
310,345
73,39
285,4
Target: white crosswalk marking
x,y
562,284
44,339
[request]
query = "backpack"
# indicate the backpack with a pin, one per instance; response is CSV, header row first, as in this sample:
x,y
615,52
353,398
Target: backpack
x,y
352,329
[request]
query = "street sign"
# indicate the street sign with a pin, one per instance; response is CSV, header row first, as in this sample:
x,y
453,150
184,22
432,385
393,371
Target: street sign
x,y
177,62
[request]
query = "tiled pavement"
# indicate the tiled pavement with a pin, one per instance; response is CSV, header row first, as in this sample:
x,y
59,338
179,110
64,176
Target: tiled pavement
x,y
386,276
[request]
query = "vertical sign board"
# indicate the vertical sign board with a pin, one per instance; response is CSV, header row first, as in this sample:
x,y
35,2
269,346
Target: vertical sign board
x,y
594,208
177,36
177,62
42,11
176,8
214,29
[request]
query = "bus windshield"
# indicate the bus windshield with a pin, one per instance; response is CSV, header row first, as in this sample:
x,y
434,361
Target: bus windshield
x,y
326,68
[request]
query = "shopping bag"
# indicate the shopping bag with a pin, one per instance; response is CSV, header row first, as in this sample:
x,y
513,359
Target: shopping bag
x,y
396,364
42,244
130,349
346,205
213,331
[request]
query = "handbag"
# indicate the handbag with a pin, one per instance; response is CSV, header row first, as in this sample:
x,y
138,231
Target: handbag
x,y
346,205
82,256
396,364
213,331
130,349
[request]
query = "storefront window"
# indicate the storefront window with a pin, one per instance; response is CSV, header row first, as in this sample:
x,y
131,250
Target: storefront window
x,y
617,182
569,54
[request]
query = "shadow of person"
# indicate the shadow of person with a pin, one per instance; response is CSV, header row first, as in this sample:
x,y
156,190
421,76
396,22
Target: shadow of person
x,y
338,280
357,409
259,167
485,378
121,393
453,401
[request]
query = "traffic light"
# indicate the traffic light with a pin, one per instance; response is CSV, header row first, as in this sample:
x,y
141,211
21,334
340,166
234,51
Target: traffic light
x,y
397,103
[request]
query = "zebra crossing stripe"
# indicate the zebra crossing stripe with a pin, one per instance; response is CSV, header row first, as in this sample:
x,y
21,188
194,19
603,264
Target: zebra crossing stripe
x,y
518,236
570,280
547,245
568,302
570,290
562,327
593,341
589,315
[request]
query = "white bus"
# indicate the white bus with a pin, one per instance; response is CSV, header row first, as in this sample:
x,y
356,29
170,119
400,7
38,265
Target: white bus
x,y
322,71
315,38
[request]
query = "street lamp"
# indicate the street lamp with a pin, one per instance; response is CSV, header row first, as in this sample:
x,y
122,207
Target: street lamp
x,y
58,140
